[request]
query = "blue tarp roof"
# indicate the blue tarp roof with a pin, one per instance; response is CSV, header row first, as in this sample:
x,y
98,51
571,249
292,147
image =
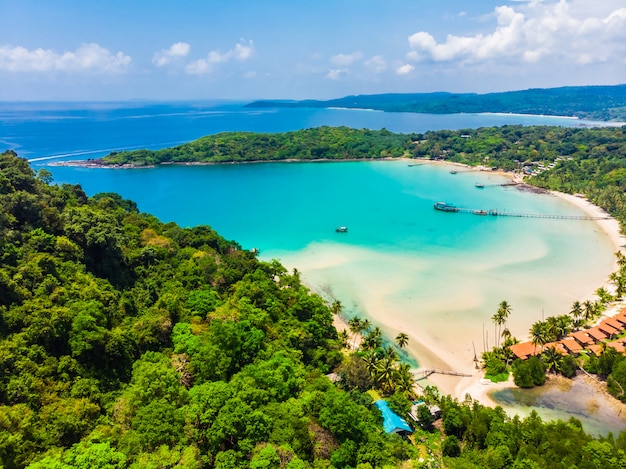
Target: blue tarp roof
x,y
392,422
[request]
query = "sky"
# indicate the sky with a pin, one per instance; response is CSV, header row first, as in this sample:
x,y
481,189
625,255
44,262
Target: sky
x,y
96,50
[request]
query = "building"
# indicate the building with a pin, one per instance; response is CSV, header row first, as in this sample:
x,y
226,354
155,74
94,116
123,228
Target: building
x,y
392,422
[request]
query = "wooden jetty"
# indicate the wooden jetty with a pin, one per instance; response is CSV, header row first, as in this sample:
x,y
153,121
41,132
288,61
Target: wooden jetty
x,y
423,374
498,213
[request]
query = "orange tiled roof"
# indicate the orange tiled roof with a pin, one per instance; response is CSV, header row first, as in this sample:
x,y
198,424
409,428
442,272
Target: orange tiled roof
x,y
596,333
596,348
582,337
524,350
607,328
571,344
558,346
621,317
617,345
615,323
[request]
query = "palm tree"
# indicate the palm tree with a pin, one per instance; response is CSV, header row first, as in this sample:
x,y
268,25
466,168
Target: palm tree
x,y
343,338
371,361
366,325
385,373
500,317
373,339
552,359
355,325
404,380
576,312
620,284
402,339
589,311
336,307
539,334
604,295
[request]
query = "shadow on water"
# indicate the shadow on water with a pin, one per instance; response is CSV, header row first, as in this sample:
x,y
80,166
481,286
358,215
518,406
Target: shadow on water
x,y
561,398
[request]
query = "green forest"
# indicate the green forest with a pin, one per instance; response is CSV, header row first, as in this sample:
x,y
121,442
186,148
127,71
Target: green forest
x,y
127,342
603,103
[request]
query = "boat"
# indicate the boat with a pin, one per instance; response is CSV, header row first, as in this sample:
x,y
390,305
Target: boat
x,y
479,185
480,212
444,207
452,171
341,229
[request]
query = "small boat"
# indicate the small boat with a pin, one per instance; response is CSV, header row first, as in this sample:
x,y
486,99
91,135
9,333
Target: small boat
x,y
480,212
453,171
341,229
479,185
444,207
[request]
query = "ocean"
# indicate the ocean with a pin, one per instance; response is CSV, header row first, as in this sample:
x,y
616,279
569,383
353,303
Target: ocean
x,y
436,276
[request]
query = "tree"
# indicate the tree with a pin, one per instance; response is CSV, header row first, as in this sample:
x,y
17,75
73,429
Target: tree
x,y
539,334
402,340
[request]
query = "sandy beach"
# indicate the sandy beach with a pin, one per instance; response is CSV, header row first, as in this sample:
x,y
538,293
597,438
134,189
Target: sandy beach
x,y
437,354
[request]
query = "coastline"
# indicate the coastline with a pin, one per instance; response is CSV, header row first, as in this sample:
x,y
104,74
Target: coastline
x,y
433,355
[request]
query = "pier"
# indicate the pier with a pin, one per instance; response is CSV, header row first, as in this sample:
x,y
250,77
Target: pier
x,y
425,373
441,206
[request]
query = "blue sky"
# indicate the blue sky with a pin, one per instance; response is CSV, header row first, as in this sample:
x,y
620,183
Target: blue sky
x,y
251,49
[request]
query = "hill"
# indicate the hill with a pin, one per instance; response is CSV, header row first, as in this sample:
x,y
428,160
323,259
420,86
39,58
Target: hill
x,y
603,103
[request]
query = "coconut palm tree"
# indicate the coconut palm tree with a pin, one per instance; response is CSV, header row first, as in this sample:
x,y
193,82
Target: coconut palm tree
x,y
539,334
336,307
404,380
384,373
589,310
620,283
402,340
355,323
552,359
343,338
500,317
371,361
576,312
604,296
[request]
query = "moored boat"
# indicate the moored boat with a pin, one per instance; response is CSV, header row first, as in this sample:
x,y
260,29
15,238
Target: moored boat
x,y
445,207
341,229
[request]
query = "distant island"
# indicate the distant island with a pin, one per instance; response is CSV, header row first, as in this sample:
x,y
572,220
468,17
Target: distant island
x,y
602,103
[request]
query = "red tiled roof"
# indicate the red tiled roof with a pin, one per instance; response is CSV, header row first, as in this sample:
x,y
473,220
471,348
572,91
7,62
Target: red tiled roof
x,y
524,350
607,328
571,344
596,333
615,323
582,337
621,317
558,346
597,349
617,345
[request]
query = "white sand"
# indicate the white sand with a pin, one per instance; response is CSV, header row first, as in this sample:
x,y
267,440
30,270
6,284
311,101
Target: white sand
x,y
383,300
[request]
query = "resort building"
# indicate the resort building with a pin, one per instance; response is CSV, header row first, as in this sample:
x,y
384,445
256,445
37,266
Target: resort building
x,y
392,422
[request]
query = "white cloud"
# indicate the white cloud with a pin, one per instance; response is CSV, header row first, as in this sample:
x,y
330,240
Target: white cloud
x,y
165,56
337,73
376,63
343,60
574,31
87,58
242,51
405,69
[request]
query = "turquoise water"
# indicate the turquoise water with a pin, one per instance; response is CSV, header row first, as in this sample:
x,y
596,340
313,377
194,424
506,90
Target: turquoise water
x,y
436,276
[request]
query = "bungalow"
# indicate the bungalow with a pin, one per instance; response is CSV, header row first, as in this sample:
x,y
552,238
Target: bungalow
x,y
558,346
525,350
621,317
596,349
571,345
615,323
609,330
392,422
617,345
596,334
582,338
